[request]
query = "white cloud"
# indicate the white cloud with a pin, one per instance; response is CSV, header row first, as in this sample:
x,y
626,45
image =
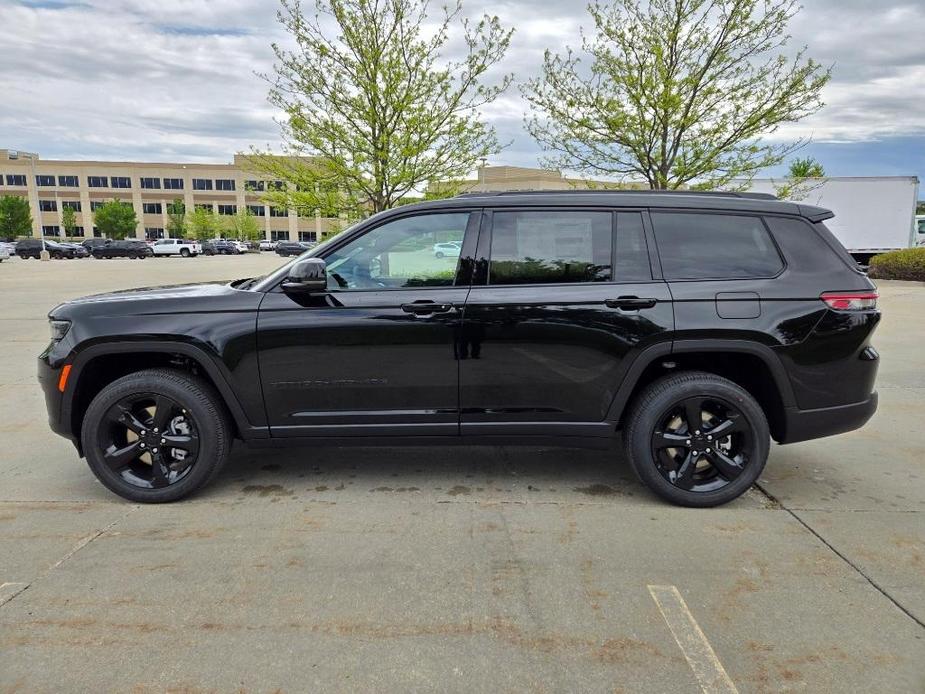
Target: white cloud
x,y
174,80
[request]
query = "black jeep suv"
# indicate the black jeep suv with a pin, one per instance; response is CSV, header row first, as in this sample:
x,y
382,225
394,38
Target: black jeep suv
x,y
691,327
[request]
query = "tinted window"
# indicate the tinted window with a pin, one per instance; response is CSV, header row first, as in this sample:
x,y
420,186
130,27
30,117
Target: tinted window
x,y
632,257
400,253
544,247
68,181
120,182
701,246
97,181
202,184
44,180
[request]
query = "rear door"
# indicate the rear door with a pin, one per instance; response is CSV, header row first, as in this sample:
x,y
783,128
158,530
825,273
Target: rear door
x,y
562,302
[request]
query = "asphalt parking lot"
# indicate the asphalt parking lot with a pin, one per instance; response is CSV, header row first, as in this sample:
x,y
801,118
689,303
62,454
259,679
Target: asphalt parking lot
x,y
469,569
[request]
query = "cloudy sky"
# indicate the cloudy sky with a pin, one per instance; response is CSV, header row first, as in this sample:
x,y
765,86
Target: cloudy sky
x,y
174,80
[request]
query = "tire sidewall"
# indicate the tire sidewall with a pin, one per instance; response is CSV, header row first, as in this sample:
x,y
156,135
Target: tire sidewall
x,y
193,397
644,422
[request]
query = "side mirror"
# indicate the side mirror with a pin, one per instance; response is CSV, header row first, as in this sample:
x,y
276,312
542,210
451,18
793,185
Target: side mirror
x,y
309,275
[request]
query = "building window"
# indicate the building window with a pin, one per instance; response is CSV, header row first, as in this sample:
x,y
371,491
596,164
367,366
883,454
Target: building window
x,y
67,181
48,205
224,184
173,183
70,205
228,209
275,185
154,233
50,230
96,204
256,210
202,184
16,179
151,183
307,236
151,208
278,235
204,206
97,234
76,231
45,181
97,182
278,212
253,185
120,182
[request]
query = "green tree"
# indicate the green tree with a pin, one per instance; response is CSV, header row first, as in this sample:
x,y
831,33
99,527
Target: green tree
x,y
803,177
15,217
372,109
68,220
176,219
116,219
204,224
676,92
243,226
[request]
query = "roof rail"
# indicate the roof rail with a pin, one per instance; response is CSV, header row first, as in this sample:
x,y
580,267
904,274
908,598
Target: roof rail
x,y
573,191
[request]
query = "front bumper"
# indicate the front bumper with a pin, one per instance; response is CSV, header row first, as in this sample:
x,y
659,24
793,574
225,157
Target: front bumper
x,y
804,425
48,380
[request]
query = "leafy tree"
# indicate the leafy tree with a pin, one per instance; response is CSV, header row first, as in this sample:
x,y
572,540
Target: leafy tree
x,y
803,177
204,224
116,219
677,92
68,220
15,217
243,226
176,218
372,110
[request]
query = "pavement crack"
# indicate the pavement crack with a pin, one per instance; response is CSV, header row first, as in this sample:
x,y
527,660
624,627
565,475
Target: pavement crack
x,y
23,587
844,558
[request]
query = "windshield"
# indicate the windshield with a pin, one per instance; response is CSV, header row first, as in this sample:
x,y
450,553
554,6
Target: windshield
x,y
263,284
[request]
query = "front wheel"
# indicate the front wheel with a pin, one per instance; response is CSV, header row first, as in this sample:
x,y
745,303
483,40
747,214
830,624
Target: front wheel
x,y
156,435
184,252
697,439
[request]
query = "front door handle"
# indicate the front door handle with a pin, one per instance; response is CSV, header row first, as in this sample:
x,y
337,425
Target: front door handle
x,y
630,303
426,308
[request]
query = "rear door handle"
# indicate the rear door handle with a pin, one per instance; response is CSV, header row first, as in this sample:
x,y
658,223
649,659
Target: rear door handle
x,y
425,308
630,303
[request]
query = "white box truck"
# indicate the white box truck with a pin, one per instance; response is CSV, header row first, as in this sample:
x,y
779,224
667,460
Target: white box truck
x,y
872,214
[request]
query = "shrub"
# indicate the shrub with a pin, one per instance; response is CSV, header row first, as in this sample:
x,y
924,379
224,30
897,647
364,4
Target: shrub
x,y
907,264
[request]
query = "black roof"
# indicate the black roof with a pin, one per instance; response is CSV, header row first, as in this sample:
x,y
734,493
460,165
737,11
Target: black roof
x,y
652,199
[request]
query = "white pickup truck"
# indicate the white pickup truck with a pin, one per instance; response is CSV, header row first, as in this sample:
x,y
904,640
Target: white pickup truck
x,y
180,247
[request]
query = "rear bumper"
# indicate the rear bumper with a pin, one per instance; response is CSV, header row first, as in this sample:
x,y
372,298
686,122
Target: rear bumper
x,y
804,425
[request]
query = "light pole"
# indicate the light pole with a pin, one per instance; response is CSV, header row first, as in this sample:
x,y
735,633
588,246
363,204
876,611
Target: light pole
x,y
44,254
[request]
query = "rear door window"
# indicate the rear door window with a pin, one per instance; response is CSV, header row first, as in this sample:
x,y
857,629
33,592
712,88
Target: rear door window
x,y
696,245
543,247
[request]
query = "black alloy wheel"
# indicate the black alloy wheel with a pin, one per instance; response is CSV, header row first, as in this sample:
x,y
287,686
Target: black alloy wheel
x,y
697,439
156,435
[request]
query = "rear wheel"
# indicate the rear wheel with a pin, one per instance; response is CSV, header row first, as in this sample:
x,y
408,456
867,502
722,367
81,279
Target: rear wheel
x,y
184,252
156,435
697,439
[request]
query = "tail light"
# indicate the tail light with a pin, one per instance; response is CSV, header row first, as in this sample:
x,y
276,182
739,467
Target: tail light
x,y
850,301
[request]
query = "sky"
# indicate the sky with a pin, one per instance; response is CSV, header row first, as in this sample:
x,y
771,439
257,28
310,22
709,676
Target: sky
x,y
178,80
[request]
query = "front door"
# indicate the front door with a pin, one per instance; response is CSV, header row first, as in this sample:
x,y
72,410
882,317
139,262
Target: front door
x,y
374,355
564,301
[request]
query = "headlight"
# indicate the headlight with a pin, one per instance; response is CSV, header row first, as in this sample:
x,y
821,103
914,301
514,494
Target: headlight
x,y
58,328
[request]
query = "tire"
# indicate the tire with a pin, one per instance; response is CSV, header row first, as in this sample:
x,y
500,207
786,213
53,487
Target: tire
x,y
56,256
184,252
724,467
192,403
439,254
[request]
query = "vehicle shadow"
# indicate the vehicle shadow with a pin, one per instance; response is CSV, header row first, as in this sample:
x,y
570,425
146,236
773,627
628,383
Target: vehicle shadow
x,y
475,473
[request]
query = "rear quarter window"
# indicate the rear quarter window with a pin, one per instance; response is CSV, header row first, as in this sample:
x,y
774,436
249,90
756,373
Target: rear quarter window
x,y
696,245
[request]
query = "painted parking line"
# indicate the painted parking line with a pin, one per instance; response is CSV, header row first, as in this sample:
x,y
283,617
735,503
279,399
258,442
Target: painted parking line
x,y
693,643
8,591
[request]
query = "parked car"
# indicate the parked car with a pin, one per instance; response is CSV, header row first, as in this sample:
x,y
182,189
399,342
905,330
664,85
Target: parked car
x,y
9,247
4,253
288,248
446,250
181,247
80,251
267,245
241,246
32,248
90,244
689,328
219,247
129,248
